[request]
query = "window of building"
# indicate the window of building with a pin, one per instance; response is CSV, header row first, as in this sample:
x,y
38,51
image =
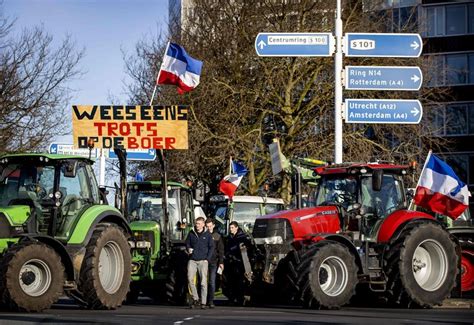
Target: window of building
x,y
457,69
455,19
451,69
455,119
471,18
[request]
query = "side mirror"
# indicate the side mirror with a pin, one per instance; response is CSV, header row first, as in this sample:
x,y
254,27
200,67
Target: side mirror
x,y
377,178
70,169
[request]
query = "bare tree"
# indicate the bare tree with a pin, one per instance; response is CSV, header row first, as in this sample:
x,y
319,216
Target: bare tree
x,y
33,86
245,100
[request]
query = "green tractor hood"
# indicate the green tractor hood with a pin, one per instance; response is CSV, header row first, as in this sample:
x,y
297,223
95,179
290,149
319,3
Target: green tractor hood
x,y
16,214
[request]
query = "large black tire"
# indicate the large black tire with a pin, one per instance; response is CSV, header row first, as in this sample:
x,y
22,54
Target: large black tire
x,y
133,293
31,277
327,275
421,266
286,279
176,285
106,269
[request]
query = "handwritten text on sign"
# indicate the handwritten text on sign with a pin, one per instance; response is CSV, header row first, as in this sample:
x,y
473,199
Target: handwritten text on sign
x,y
131,127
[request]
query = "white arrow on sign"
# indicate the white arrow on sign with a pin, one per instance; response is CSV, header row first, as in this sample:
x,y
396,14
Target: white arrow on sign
x,y
415,111
415,78
414,45
261,44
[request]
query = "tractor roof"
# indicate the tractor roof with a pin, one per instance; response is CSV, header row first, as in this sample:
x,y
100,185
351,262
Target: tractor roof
x,y
351,168
149,184
54,157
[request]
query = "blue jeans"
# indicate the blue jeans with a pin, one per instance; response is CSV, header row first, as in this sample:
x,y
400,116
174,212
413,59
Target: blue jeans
x,y
212,283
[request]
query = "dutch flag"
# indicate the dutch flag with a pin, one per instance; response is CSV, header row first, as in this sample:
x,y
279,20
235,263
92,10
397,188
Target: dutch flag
x,y
440,189
179,68
228,185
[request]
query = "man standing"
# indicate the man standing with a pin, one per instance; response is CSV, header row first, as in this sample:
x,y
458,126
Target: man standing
x,y
217,260
200,247
235,270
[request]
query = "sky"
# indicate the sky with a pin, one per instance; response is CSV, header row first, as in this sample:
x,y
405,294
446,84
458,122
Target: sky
x,y
103,28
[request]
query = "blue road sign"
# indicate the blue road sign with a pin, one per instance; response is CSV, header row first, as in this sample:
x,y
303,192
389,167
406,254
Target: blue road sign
x,y
136,154
68,149
383,45
294,44
383,78
383,111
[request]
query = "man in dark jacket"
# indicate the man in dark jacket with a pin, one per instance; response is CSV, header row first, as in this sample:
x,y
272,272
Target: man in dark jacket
x,y
235,272
217,260
200,247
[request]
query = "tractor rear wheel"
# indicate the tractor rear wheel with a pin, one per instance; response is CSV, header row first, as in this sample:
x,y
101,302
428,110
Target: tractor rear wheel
x,y
106,270
31,277
421,266
467,268
329,278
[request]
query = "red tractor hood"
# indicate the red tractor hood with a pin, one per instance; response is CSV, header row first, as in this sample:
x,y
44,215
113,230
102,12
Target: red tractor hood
x,y
310,221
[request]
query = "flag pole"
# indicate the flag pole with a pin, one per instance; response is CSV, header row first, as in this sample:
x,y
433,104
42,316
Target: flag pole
x,y
412,203
158,76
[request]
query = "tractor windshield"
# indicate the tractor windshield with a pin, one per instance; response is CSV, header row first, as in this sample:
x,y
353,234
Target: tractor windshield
x,y
341,190
382,203
147,205
25,184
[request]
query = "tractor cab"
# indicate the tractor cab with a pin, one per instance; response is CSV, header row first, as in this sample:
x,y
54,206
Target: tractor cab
x,y
373,190
57,189
144,203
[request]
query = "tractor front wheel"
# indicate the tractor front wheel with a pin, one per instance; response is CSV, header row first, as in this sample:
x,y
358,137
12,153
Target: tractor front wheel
x,y
330,278
31,277
106,270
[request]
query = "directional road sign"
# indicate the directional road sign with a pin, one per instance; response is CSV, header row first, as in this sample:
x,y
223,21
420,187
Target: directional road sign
x,y
294,44
383,45
383,78
383,111
68,149
136,154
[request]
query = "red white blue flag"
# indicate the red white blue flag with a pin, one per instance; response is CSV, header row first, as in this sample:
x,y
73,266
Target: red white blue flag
x,y
179,68
440,189
229,184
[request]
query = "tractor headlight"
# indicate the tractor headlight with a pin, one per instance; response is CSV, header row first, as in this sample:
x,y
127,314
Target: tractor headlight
x,y
143,244
274,240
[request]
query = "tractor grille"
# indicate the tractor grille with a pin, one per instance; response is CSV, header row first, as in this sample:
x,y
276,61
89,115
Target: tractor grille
x,y
265,228
147,236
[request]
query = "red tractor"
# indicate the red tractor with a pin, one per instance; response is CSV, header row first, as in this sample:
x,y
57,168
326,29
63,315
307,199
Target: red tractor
x,y
359,234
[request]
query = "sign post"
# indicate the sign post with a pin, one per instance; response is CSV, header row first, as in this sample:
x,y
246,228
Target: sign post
x,y
383,78
136,154
383,45
338,130
294,44
383,111
68,149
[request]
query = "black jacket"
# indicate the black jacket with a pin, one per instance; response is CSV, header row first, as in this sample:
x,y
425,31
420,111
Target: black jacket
x,y
233,244
218,256
202,245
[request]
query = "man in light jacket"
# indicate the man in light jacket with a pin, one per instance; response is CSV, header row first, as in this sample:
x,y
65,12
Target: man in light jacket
x,y
200,247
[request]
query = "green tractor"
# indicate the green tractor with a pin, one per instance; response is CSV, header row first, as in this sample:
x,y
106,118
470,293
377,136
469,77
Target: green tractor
x,y
160,224
58,236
